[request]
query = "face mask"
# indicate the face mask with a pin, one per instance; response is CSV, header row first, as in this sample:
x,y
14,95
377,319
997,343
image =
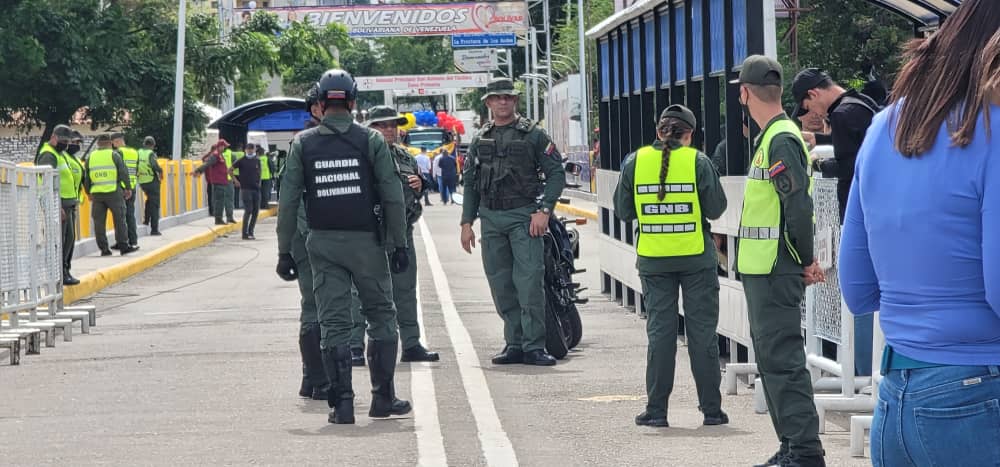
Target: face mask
x,y
61,147
72,149
749,121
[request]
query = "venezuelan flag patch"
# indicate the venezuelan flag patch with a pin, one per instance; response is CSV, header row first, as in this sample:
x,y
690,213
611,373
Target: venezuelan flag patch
x,y
776,169
551,151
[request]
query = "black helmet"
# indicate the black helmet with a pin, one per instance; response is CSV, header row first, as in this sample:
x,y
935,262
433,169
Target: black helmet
x,y
337,84
312,96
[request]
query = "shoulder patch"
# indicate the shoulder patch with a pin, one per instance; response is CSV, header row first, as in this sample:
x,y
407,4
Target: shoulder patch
x,y
777,168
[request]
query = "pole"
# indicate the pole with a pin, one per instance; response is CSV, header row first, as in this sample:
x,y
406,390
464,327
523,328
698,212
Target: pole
x,y
527,69
510,63
227,103
548,55
534,64
584,75
179,80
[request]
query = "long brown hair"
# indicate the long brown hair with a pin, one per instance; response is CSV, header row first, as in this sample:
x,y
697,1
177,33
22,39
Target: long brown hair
x,y
947,78
674,129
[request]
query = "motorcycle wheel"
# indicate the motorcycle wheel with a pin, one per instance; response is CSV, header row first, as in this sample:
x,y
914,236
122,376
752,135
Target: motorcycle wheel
x,y
556,339
573,326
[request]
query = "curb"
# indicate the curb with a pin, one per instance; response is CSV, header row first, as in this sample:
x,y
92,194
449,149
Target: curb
x,y
573,210
94,282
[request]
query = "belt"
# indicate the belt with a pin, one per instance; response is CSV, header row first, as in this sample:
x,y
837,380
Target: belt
x,y
505,204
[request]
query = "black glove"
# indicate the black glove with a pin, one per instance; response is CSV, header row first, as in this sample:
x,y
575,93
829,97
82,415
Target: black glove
x,y
399,260
286,267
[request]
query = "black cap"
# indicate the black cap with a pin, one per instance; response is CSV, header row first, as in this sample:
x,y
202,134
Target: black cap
x,y
681,113
62,133
760,70
806,80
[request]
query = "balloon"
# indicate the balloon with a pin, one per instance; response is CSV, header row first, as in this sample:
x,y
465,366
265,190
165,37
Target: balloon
x,y
441,114
460,129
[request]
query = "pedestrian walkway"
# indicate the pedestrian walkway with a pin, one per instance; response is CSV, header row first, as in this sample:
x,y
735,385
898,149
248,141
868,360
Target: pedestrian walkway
x,y
195,362
97,272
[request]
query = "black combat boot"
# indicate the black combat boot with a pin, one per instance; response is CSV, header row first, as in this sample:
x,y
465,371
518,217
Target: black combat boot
x,y
337,362
382,366
312,366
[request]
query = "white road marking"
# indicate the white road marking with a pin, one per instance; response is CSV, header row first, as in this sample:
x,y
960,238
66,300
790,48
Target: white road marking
x,y
430,443
497,448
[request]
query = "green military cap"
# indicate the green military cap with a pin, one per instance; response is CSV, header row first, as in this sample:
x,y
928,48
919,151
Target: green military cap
x,y
384,113
104,138
77,135
117,135
681,113
149,141
760,70
62,132
500,87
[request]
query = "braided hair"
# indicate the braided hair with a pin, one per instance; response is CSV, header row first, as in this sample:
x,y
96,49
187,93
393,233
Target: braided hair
x,y
673,129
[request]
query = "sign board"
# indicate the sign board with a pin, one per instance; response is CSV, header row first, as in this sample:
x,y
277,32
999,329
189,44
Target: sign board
x,y
824,248
474,60
409,19
449,81
484,40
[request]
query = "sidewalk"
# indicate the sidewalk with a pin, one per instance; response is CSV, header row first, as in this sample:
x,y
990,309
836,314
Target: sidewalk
x,y
97,272
578,207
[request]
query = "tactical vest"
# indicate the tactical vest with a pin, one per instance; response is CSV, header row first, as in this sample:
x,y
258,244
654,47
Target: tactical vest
x,y
145,172
102,171
672,226
70,172
131,158
406,166
508,175
339,181
265,167
760,225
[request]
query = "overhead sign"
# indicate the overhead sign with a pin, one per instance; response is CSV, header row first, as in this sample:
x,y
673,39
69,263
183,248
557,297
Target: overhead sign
x,y
473,60
410,19
449,81
484,40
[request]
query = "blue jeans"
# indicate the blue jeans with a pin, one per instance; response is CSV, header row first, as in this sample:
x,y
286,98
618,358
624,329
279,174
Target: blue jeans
x,y
939,416
444,188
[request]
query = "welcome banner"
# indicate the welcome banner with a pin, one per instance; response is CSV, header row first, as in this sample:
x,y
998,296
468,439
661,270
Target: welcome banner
x,y
413,19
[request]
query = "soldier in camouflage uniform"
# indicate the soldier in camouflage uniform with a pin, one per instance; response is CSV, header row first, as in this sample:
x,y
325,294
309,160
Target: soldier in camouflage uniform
x,y
386,120
503,187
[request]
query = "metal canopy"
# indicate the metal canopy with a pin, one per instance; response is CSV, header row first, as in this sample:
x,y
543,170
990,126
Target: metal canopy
x,y
247,113
921,12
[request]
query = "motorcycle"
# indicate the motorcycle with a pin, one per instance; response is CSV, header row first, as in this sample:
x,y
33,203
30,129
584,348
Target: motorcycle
x,y
563,327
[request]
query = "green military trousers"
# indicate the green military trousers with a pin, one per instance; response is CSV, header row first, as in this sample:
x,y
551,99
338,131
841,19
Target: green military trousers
x,y
404,293
338,259
68,236
515,268
309,319
773,304
701,318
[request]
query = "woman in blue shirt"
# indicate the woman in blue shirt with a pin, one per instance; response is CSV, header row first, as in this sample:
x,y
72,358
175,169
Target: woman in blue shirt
x,y
921,244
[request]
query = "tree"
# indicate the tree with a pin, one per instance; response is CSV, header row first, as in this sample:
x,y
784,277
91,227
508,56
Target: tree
x,y
849,39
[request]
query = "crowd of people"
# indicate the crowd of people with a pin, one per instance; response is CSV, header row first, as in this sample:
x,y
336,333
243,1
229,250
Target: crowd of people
x,y
110,177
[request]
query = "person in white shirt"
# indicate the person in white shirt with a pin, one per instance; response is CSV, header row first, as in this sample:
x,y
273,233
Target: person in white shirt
x,y
424,165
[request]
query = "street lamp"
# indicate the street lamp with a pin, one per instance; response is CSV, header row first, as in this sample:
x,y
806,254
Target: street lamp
x,y
179,81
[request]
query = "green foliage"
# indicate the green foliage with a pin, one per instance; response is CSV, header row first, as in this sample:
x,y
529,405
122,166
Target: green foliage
x,y
566,41
849,39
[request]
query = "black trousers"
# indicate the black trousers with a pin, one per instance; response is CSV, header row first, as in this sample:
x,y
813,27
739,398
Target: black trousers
x,y
251,207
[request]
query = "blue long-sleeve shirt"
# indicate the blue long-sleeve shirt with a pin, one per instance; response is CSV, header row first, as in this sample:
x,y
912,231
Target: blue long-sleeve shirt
x,y
921,244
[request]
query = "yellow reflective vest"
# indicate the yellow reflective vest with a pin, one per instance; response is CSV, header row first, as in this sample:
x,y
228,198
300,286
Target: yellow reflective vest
x,y
760,225
671,226
70,172
102,171
131,158
145,172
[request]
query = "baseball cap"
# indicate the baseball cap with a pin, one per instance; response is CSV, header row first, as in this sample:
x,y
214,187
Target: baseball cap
x,y
760,70
681,113
806,80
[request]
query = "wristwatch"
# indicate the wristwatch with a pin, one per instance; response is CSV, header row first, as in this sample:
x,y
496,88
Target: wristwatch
x,y
544,210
